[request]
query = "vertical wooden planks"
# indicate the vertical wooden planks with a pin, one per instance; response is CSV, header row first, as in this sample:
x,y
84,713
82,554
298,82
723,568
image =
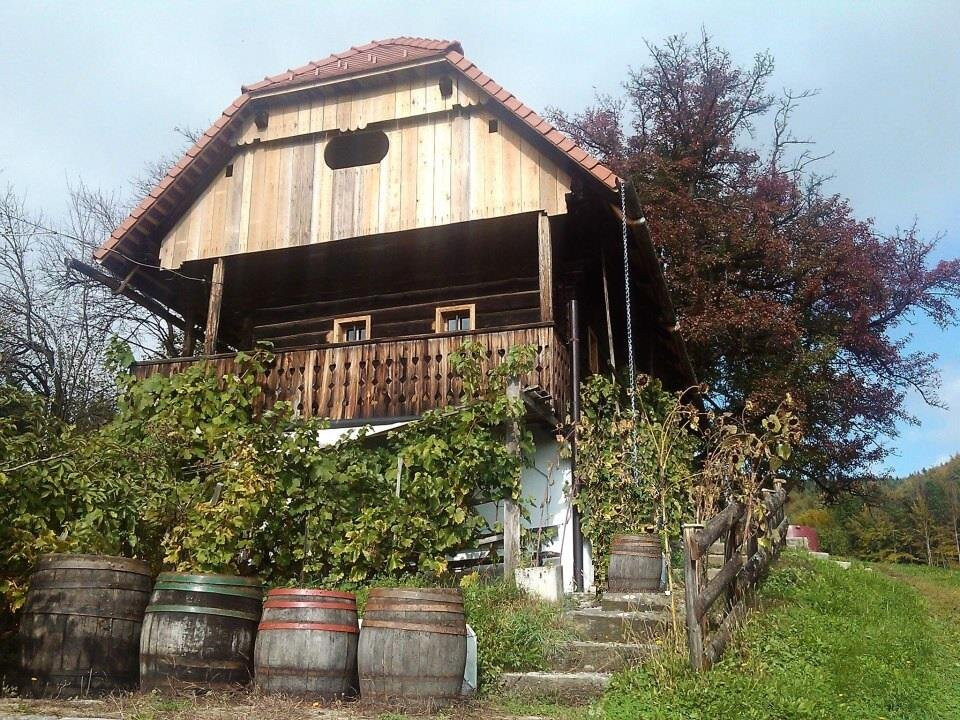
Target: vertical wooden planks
x,y
408,178
256,205
548,186
529,177
402,100
387,219
316,114
425,167
331,111
287,156
246,200
460,168
478,135
344,191
301,195
512,198
233,205
492,172
441,171
418,98
321,212
369,200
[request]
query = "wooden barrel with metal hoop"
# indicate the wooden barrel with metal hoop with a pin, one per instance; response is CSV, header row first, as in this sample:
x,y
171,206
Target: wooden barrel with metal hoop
x,y
199,630
413,645
80,628
307,643
636,562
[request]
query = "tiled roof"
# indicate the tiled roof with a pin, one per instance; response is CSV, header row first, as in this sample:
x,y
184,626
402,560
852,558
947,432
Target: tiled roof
x,y
366,58
371,57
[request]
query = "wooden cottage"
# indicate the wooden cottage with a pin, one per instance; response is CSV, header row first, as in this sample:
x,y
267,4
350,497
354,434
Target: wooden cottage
x,y
366,214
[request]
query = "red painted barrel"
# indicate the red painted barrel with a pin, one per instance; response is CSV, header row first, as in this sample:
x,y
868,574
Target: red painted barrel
x,y
413,645
307,643
805,531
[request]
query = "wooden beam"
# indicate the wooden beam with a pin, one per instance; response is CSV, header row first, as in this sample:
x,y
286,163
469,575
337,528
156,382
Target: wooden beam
x,y
213,309
545,254
114,284
126,281
511,511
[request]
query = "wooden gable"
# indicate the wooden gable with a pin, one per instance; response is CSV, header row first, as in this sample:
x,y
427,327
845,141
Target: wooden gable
x,y
451,157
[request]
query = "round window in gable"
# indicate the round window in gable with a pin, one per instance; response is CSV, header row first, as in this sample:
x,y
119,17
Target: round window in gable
x,y
356,149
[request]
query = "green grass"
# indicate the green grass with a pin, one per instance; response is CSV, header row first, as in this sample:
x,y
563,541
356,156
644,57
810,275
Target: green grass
x,y
827,644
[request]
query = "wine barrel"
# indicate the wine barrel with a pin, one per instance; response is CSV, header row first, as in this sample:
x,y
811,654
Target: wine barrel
x,y
413,645
636,562
199,631
80,628
307,643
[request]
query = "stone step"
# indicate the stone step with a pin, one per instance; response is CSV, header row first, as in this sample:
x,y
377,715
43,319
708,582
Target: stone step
x,y
569,686
586,656
618,626
638,601
579,600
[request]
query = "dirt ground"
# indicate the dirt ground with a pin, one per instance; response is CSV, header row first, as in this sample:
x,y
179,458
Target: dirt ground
x,y
241,706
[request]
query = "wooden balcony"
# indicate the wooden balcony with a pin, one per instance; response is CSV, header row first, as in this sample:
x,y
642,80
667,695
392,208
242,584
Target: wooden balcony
x,y
394,377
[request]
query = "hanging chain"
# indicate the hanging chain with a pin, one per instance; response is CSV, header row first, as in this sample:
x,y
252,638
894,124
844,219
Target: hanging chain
x,y
631,364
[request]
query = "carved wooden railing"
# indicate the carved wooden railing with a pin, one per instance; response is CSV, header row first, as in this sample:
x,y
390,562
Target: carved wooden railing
x,y
400,377
746,559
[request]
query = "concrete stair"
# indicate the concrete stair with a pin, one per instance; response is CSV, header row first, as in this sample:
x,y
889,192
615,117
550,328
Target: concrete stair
x,y
643,601
619,626
602,657
616,633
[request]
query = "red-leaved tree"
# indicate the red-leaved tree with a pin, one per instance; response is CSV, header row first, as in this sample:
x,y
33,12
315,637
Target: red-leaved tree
x,y
779,287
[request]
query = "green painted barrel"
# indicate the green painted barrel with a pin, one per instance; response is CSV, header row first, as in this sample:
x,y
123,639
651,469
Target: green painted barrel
x,y
199,631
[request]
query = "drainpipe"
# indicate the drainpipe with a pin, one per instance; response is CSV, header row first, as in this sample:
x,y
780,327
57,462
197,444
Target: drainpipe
x,y
575,413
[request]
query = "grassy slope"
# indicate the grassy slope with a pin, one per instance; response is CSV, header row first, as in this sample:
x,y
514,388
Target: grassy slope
x,y
829,644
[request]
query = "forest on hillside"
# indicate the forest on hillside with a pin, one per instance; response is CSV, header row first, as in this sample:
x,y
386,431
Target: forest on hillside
x,y
915,519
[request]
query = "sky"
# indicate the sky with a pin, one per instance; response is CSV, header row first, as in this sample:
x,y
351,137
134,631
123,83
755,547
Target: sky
x,y
93,91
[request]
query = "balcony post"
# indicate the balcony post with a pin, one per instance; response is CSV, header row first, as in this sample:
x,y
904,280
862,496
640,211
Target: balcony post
x,y
511,511
189,334
576,531
545,257
213,309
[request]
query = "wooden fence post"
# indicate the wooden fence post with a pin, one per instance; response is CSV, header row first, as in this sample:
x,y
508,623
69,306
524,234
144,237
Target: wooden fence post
x,y
692,572
731,547
511,511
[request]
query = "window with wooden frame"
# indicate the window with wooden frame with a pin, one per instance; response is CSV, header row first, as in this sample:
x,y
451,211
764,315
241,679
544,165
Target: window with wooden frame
x,y
455,318
351,329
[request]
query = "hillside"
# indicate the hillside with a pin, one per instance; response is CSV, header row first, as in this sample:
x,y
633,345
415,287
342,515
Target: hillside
x,y
915,519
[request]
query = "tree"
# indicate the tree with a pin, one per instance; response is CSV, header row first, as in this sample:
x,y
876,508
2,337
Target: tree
x,y
56,324
778,286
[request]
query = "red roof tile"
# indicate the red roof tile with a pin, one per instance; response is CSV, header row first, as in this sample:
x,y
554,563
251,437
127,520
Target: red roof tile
x,y
373,56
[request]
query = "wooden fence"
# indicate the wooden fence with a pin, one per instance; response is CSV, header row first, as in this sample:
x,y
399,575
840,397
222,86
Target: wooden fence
x,y
746,558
